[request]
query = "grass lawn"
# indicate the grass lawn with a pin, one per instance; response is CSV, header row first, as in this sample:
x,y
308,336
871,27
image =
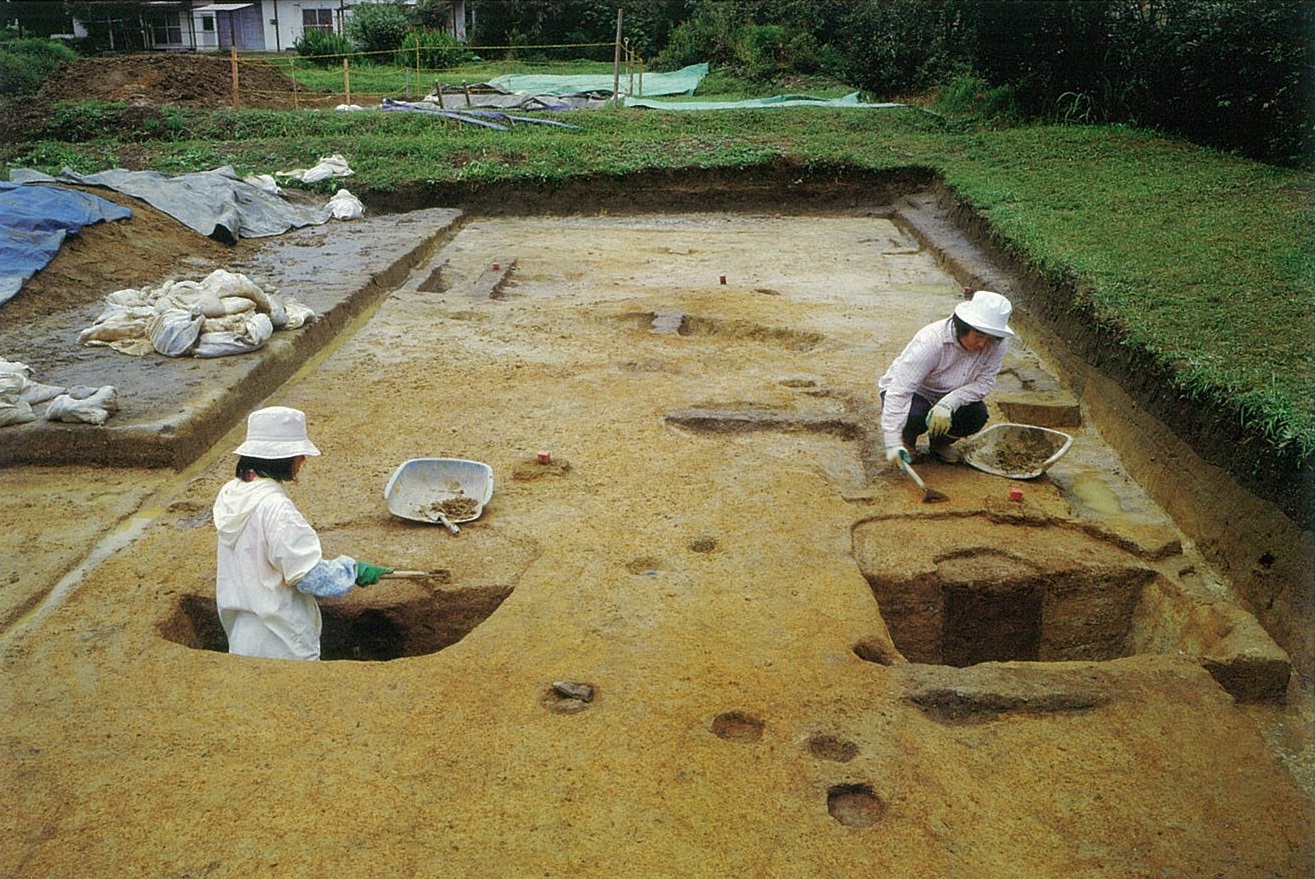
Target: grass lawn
x,y
1203,261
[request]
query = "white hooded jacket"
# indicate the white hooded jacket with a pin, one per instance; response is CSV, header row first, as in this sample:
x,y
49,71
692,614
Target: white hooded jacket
x,y
265,548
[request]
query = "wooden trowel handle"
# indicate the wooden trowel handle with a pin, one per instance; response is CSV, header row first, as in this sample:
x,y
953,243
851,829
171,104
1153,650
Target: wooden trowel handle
x,y
417,575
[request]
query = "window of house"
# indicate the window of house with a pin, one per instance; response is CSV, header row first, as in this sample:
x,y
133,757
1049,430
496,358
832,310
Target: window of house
x,y
208,23
317,19
166,30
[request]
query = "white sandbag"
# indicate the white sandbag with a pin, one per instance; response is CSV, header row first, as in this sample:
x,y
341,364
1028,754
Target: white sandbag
x,y
299,314
228,284
86,405
345,206
222,283
36,392
128,299
15,412
138,347
255,332
234,305
13,408
117,324
329,166
16,383
265,182
174,332
196,300
14,366
229,323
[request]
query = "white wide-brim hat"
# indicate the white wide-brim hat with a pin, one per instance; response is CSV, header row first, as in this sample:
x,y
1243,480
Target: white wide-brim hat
x,y
986,312
276,432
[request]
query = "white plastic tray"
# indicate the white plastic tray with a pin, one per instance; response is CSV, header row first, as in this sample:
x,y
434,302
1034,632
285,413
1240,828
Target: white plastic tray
x,y
1015,451
418,485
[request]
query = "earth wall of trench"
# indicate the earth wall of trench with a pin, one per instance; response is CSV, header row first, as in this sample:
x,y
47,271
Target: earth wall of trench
x,y
1254,522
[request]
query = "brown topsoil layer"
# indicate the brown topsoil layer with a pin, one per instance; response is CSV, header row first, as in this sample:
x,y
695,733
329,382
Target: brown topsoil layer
x,y
172,79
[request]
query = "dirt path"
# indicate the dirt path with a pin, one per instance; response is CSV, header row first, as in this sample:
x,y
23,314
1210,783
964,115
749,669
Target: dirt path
x,y
715,548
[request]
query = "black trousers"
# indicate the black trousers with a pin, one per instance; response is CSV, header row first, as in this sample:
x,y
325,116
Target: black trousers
x,y
966,421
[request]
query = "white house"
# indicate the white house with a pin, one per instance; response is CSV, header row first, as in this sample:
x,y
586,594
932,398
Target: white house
x,y
254,25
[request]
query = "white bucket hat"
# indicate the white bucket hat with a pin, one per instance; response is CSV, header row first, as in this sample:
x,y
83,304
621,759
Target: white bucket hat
x,y
987,312
276,432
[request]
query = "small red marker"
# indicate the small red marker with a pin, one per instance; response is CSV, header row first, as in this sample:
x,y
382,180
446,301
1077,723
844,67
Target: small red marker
x,y
721,278
543,457
1015,494
496,266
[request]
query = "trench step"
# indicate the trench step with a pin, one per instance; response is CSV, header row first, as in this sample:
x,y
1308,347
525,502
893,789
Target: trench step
x,y
490,283
743,420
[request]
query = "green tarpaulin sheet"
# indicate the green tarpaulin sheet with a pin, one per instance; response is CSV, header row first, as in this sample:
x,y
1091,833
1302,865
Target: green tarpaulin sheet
x,y
678,82
850,100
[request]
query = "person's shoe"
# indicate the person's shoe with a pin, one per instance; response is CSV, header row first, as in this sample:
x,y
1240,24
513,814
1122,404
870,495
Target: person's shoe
x,y
947,454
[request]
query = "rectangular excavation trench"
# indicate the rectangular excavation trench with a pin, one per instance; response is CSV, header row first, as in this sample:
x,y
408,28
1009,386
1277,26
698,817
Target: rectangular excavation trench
x,y
902,228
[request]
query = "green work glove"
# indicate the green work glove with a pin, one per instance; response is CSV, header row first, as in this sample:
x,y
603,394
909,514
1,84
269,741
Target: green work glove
x,y
895,454
938,419
368,574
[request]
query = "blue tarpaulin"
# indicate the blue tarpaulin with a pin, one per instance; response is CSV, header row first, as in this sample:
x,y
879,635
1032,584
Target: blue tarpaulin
x,y
34,221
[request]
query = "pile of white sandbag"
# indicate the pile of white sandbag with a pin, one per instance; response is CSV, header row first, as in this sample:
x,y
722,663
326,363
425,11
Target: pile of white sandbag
x,y
227,313
19,392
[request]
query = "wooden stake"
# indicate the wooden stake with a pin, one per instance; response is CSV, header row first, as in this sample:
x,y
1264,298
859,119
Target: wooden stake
x,y
232,64
616,64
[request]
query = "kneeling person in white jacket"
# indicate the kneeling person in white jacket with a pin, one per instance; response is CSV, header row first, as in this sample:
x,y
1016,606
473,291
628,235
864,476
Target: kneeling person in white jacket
x,y
269,567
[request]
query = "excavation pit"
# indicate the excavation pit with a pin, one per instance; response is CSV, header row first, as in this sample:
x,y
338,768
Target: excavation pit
x,y
355,630
676,323
854,805
963,590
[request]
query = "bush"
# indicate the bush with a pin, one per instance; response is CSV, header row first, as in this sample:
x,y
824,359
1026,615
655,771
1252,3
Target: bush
x,y
971,97
901,47
25,63
431,50
379,27
322,48
708,37
18,75
769,51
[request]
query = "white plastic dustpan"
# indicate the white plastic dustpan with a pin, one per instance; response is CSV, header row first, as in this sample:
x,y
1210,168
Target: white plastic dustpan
x,y
1015,451
432,489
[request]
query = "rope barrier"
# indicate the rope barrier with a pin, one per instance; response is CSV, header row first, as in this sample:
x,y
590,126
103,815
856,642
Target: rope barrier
x,y
365,70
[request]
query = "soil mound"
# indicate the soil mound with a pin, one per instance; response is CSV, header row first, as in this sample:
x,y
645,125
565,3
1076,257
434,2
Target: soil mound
x,y
183,80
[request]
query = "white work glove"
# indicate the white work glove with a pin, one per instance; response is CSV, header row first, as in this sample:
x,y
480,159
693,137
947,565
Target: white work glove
x,y
938,419
895,454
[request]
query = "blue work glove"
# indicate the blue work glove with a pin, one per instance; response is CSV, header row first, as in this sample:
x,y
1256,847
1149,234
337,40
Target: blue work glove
x,y
368,574
895,454
938,419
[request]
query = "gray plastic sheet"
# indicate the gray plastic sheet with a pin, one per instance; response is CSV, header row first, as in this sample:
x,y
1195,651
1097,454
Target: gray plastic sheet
x,y
217,203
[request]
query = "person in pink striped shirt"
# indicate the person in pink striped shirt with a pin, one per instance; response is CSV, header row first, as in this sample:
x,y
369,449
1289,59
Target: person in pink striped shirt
x,y
939,381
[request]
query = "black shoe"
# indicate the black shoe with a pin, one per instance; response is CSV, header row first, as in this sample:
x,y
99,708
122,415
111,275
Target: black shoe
x,y
947,454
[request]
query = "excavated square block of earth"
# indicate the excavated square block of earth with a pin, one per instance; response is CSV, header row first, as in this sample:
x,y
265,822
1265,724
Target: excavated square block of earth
x,y
1052,409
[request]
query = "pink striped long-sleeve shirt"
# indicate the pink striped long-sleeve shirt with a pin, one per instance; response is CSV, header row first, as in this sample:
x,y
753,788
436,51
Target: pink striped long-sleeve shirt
x,y
936,366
